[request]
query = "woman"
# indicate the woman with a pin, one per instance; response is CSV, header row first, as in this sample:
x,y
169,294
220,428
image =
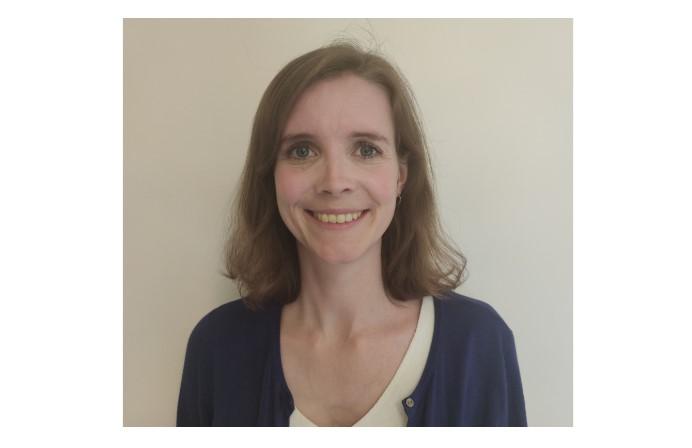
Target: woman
x,y
349,315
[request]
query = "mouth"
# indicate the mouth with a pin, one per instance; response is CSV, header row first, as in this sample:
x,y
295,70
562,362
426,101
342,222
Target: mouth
x,y
337,219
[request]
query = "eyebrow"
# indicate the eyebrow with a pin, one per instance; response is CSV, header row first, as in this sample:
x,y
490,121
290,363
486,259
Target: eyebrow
x,y
306,136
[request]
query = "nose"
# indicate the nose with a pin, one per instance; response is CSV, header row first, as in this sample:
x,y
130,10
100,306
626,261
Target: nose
x,y
336,176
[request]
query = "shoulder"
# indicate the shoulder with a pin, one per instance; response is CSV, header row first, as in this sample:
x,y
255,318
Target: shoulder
x,y
476,353
461,316
232,324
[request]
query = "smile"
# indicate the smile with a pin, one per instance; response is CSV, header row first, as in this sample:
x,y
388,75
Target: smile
x,y
337,220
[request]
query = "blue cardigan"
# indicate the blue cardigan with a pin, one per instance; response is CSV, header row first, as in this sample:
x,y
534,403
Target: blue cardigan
x,y
233,377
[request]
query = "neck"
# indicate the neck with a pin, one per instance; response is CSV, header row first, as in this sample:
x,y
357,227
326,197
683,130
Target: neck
x,y
341,302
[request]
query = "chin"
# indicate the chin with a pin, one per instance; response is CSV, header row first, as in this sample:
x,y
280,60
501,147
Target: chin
x,y
338,258
348,253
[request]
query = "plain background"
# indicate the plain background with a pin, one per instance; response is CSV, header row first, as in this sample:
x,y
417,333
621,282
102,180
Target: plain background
x,y
496,102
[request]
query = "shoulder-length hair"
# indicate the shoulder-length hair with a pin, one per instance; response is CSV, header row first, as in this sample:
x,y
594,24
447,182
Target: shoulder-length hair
x,y
261,254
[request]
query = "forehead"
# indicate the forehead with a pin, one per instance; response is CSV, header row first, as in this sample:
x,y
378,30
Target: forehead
x,y
340,106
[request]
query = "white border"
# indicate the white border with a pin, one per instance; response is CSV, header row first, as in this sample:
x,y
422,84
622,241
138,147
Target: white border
x,y
61,183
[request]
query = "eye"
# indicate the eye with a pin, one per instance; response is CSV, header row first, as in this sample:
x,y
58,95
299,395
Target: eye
x,y
367,150
300,151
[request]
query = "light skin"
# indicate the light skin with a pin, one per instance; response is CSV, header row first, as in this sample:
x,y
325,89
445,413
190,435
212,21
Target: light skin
x,y
338,153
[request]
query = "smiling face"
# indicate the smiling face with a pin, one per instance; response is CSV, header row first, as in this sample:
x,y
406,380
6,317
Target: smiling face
x,y
337,175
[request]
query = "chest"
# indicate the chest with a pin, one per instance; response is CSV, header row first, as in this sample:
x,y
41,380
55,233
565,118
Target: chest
x,y
338,386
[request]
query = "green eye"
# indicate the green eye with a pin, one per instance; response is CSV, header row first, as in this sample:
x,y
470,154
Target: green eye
x,y
300,152
368,151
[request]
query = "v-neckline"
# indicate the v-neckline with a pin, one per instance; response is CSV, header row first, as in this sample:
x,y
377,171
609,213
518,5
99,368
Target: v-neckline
x,y
427,370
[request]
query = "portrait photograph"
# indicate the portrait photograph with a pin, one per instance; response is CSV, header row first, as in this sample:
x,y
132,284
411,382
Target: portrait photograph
x,y
347,222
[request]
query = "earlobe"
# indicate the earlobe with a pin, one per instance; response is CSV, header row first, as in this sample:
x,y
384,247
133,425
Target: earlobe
x,y
401,178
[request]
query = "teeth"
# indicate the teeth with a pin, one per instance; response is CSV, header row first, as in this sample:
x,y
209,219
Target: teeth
x,y
348,217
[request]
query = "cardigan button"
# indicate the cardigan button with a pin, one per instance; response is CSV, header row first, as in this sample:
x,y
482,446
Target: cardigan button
x,y
410,402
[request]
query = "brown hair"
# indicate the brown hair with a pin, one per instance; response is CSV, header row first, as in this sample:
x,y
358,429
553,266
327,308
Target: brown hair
x,y
261,255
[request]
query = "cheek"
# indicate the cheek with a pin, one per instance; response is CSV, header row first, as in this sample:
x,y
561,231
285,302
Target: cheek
x,y
288,187
292,189
383,187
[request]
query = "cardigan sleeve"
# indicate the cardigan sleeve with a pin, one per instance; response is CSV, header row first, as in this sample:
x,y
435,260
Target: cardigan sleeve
x,y
491,391
513,410
493,394
194,400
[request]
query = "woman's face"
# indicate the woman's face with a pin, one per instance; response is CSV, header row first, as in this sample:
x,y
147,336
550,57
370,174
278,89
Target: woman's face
x,y
337,163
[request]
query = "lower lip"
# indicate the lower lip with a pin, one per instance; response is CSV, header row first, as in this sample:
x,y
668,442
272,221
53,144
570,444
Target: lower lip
x,y
336,225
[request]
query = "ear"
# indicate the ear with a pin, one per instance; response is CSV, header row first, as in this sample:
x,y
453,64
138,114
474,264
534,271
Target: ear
x,y
403,173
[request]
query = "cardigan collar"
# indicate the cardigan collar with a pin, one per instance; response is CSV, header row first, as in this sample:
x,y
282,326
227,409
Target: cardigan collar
x,y
276,402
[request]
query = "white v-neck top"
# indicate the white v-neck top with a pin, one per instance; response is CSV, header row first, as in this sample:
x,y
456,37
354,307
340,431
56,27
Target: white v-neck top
x,y
388,410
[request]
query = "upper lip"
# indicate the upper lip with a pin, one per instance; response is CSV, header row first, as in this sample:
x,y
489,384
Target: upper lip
x,y
338,211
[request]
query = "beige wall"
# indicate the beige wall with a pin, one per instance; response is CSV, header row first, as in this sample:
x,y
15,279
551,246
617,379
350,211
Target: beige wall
x,y
496,100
